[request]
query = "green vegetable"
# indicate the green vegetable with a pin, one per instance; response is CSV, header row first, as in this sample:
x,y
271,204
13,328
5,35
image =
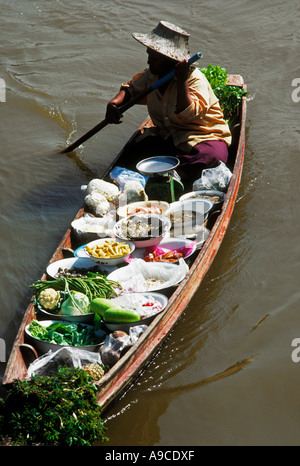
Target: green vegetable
x,y
76,304
60,409
100,305
65,334
93,285
229,96
120,315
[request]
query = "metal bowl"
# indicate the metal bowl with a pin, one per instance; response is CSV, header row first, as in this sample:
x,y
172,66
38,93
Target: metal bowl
x,y
217,197
83,319
159,226
44,346
188,216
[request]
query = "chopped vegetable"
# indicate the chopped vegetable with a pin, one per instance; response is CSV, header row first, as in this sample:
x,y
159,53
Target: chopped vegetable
x,y
110,249
49,298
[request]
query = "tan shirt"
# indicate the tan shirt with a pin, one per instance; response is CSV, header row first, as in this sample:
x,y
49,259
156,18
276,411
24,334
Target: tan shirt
x,y
201,121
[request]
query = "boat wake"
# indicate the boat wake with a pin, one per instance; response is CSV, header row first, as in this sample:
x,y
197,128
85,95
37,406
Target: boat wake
x,y
231,370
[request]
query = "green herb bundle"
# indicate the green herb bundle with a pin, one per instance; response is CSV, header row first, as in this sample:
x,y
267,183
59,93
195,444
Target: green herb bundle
x,y
229,96
56,410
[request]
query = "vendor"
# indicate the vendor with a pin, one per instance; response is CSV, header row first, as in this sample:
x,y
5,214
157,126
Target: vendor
x,y
185,111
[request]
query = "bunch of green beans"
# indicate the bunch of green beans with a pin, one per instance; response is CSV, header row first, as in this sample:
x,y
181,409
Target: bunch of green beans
x,y
92,286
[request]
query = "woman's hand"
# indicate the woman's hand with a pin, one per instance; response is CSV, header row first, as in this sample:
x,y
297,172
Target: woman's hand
x,y
182,70
113,114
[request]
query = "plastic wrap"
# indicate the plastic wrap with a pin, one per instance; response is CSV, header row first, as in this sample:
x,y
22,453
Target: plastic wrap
x,y
69,356
117,343
217,178
135,276
122,176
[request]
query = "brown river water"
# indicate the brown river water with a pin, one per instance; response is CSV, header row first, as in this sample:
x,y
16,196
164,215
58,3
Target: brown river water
x,y
226,375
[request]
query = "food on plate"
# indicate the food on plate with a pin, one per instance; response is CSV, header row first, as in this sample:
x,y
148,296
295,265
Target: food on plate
x,y
142,226
77,272
179,216
212,198
152,283
109,249
154,209
169,256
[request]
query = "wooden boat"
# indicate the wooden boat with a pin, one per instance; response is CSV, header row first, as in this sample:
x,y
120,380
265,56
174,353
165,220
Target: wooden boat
x,y
126,370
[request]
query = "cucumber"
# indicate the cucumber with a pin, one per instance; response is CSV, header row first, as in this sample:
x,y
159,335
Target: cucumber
x,y
100,305
120,315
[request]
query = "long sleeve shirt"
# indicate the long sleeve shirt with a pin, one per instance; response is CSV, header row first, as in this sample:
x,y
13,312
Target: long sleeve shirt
x,y
201,121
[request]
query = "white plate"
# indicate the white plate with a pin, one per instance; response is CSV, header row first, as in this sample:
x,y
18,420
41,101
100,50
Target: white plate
x,y
158,164
78,262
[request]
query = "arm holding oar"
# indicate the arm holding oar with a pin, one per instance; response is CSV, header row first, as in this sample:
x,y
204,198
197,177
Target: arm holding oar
x,y
125,106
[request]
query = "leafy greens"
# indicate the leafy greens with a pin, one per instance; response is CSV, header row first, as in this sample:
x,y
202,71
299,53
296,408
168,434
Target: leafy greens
x,y
229,96
65,334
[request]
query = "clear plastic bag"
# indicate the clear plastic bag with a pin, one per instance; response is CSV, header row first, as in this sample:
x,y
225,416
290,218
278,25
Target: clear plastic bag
x,y
133,278
69,356
122,176
217,178
117,343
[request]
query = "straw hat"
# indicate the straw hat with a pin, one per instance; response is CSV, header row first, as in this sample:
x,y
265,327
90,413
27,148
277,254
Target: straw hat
x,y
167,39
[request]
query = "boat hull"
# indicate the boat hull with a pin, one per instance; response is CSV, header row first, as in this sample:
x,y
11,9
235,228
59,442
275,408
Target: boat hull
x,y
127,369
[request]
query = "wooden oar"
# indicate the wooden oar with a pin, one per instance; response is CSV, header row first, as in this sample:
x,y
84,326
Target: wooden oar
x,y
125,107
